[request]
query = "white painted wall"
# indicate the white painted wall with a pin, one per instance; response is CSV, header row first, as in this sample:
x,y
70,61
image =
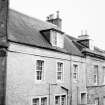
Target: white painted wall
x,y
21,64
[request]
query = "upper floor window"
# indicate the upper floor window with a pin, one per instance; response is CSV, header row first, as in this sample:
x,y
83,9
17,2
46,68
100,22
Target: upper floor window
x,y
103,74
59,71
57,39
54,38
35,101
95,78
39,69
75,72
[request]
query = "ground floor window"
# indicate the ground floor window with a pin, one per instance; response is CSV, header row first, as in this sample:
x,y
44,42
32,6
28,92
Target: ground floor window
x,y
104,100
36,101
44,101
96,101
39,101
60,100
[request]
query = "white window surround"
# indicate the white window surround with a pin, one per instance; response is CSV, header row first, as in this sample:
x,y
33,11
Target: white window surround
x,y
39,97
60,95
62,76
56,39
75,72
103,68
43,71
95,74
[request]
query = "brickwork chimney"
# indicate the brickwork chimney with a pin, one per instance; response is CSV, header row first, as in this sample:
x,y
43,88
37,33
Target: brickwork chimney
x,y
57,20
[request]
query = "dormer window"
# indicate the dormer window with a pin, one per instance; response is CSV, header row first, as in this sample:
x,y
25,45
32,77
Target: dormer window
x,y
56,39
53,38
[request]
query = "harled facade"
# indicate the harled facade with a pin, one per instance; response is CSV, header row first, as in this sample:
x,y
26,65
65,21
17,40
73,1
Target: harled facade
x,y
41,65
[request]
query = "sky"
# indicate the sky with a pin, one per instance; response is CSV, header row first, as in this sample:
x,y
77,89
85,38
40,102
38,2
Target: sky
x,y
76,15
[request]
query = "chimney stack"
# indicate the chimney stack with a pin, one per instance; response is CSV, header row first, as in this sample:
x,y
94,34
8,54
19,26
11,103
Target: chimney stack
x,y
57,21
84,38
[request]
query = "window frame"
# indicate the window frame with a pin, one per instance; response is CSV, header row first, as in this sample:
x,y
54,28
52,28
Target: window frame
x,y
97,98
35,99
39,97
103,69
56,38
53,37
60,95
43,70
62,72
75,71
95,74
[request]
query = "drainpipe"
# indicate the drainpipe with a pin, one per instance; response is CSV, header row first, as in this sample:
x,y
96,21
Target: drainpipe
x,y
67,92
77,95
61,87
49,93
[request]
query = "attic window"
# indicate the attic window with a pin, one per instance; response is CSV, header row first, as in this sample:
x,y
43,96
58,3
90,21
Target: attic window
x,y
56,39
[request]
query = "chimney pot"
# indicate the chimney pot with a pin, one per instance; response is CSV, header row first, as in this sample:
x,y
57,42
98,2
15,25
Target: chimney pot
x,y
57,14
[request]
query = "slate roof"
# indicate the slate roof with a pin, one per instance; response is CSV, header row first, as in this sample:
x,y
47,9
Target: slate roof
x,y
26,30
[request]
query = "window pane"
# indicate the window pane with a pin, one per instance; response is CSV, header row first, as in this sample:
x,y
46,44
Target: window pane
x,y
103,74
95,74
57,100
75,75
44,101
97,101
95,78
63,100
75,72
59,71
39,69
39,75
36,101
59,77
54,38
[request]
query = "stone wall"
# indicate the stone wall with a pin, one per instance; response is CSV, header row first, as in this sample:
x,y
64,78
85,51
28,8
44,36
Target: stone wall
x,y
96,92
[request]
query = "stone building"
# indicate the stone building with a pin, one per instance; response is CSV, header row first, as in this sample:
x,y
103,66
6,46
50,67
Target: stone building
x,y
95,71
37,59
41,65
